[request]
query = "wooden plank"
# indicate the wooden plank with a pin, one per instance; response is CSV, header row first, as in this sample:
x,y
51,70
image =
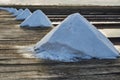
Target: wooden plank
x,y
111,32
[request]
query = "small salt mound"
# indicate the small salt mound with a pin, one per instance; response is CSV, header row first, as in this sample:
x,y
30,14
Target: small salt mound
x,y
14,11
10,10
18,12
2,8
75,39
24,15
37,19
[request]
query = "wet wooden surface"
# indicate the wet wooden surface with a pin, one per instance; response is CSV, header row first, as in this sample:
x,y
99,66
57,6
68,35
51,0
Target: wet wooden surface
x,y
16,64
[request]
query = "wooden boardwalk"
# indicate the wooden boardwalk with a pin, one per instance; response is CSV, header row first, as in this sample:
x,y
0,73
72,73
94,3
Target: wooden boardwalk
x,y
15,64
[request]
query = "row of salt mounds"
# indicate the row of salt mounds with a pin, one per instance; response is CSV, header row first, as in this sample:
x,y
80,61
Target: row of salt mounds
x,y
13,11
26,13
18,12
3,8
75,39
10,10
37,19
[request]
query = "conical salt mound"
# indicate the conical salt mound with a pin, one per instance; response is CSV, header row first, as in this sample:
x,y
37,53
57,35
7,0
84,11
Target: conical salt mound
x,y
37,19
18,12
26,13
74,39
14,11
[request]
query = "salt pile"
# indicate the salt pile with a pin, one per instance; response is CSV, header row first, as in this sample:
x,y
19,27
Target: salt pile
x,y
37,19
2,8
18,12
14,11
10,10
26,13
75,39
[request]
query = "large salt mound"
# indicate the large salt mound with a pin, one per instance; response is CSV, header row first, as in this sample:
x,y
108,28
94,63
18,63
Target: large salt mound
x,y
18,12
74,39
37,19
24,15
